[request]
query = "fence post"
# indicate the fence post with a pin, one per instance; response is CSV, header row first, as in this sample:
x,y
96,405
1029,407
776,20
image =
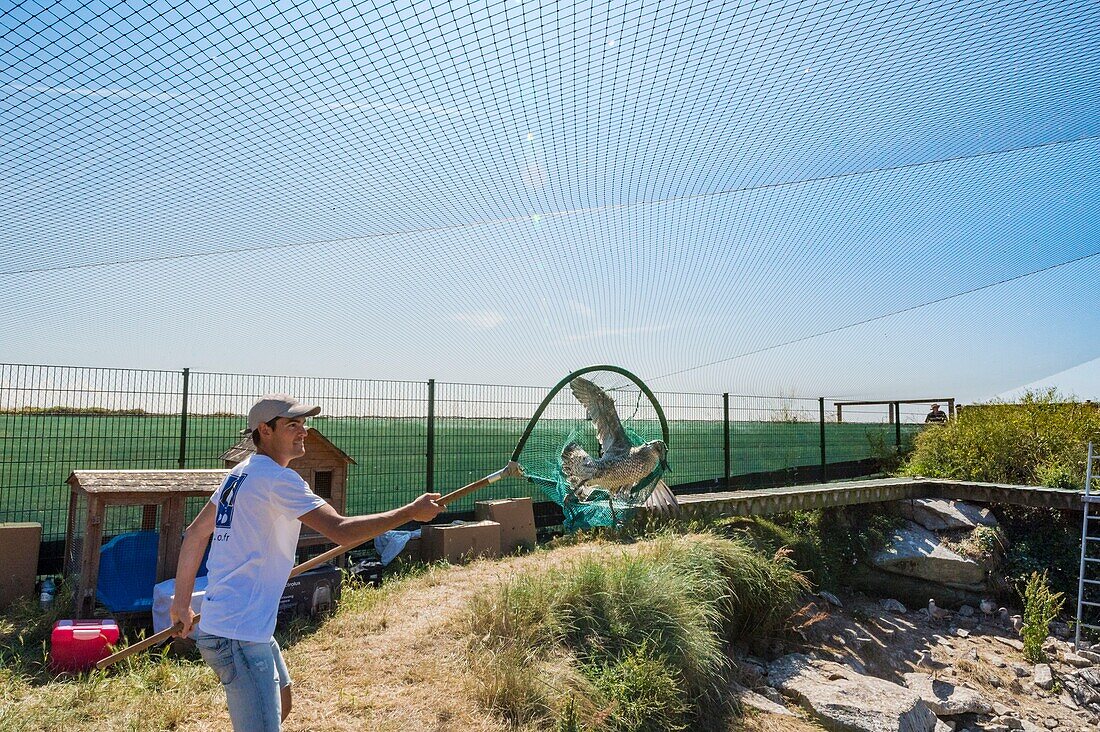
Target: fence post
x,y
897,426
429,475
183,420
726,411
821,421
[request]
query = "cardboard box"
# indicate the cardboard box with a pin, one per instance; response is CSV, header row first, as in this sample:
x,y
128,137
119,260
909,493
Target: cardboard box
x,y
516,517
459,542
20,565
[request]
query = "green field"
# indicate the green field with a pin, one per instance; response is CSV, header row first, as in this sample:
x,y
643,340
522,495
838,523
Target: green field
x,y
37,453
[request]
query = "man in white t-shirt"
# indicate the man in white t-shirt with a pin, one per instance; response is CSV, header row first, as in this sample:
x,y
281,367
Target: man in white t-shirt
x,y
252,524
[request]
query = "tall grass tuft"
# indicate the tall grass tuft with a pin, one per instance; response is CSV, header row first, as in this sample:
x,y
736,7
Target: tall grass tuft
x,y
635,639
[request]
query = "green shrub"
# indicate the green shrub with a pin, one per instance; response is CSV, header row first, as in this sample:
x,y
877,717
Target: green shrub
x,y
824,544
1042,539
641,692
886,452
1058,475
1041,607
628,640
1039,441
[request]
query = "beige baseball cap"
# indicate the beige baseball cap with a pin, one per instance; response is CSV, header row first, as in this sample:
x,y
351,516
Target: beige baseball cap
x,y
270,406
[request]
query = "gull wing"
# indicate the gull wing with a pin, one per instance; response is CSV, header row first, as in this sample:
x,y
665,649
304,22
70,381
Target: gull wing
x,y
662,500
601,410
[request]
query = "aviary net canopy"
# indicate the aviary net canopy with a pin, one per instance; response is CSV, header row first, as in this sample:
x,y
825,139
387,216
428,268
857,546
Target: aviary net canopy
x,y
706,190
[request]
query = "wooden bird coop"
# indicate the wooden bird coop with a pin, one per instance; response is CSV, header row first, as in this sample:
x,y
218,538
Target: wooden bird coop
x,y
129,524
324,467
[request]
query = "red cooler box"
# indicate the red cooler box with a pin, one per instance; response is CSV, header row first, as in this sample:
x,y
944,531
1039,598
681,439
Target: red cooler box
x,y
76,645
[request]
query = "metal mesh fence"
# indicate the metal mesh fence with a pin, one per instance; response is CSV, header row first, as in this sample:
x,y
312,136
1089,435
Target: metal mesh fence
x,y
696,436
476,428
771,437
381,425
56,419
402,436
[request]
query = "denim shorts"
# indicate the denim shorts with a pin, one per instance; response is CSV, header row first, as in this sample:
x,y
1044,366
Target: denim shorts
x,y
252,675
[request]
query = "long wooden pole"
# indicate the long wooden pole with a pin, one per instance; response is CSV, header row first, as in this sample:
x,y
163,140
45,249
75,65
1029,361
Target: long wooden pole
x,y
511,469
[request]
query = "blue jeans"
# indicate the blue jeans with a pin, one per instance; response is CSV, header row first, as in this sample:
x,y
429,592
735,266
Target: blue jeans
x,y
252,675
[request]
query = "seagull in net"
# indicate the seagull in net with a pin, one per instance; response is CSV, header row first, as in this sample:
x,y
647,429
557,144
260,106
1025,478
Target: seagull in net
x,y
621,465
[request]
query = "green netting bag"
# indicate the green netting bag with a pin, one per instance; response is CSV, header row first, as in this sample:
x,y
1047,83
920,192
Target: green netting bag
x,y
621,452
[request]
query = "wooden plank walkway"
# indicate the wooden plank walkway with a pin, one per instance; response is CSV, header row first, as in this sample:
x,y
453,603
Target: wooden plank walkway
x,y
768,501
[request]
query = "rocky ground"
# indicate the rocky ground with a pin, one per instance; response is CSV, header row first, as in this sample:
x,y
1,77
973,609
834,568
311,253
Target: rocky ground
x,y
855,663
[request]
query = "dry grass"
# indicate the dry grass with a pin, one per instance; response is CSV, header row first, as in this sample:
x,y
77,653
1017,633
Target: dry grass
x,y
159,699
389,660
397,662
758,722
985,676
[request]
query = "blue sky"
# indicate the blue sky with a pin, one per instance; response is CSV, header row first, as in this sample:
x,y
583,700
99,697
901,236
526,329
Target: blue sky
x,y
503,192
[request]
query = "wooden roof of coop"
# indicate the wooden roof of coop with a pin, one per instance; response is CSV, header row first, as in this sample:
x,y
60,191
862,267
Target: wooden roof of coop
x,y
191,482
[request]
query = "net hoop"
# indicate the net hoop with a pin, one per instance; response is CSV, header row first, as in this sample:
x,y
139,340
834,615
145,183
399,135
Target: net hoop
x,y
581,372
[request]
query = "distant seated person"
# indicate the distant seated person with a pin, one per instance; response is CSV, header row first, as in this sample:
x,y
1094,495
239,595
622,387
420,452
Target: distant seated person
x,y
936,415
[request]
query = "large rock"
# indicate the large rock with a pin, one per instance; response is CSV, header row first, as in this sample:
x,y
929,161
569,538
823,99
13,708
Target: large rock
x,y
947,699
913,591
750,698
846,700
937,514
914,551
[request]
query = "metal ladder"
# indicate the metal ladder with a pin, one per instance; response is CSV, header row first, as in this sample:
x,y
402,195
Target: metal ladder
x,y
1091,515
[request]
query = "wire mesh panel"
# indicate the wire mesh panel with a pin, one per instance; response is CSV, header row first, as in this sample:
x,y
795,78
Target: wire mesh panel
x,y
696,426
74,538
55,419
477,427
770,435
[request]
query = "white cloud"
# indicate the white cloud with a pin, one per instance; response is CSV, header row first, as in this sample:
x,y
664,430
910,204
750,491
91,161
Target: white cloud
x,y
481,319
612,332
581,309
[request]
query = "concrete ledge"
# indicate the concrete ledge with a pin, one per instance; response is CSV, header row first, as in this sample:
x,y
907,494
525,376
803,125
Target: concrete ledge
x,y
771,501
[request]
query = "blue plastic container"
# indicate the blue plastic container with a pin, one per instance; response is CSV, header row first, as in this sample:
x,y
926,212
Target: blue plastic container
x,y
127,572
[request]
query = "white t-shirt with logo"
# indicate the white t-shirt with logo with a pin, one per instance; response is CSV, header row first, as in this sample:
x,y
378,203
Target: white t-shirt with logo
x,y
252,549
